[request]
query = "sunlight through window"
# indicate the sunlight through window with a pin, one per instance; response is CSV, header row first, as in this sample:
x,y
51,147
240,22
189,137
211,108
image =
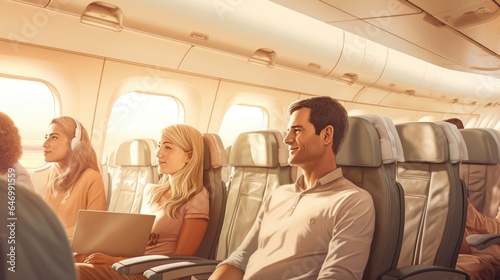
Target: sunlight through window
x,y
241,118
139,115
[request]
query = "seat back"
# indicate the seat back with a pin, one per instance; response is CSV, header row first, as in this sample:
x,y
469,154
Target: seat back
x,y
214,160
258,162
135,167
435,198
107,172
481,172
368,158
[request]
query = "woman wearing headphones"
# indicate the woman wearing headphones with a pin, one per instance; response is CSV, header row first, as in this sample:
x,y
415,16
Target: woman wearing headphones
x,y
74,179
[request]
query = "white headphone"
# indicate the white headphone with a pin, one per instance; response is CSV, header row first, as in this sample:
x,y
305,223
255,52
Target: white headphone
x,y
78,135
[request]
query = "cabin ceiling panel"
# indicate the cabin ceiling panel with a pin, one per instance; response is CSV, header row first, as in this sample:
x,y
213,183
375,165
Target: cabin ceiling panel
x,y
476,19
373,9
444,28
443,41
316,9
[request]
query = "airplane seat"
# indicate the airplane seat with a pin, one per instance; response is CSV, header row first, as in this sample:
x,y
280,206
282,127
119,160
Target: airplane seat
x,y
435,202
226,170
135,168
215,159
259,162
103,169
481,172
108,171
153,146
368,158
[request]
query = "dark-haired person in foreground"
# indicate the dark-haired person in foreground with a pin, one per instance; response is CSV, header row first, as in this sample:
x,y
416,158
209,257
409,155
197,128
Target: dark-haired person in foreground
x,y
11,151
322,226
33,244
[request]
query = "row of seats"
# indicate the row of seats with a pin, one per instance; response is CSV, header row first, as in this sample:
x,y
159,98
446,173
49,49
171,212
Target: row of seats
x,y
411,171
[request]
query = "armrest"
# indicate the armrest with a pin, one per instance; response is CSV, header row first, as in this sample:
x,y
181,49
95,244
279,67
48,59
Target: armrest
x,y
181,269
138,265
424,272
482,241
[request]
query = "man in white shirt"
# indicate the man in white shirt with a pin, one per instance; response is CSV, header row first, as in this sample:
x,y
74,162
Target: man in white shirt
x,y
322,226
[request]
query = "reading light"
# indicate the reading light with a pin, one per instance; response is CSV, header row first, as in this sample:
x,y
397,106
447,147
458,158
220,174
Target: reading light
x,y
264,57
348,79
103,15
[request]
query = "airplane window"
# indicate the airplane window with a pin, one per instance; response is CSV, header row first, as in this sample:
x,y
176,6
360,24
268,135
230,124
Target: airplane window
x,y
22,100
140,115
241,118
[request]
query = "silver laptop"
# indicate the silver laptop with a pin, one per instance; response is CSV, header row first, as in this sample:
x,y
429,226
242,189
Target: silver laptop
x,y
112,233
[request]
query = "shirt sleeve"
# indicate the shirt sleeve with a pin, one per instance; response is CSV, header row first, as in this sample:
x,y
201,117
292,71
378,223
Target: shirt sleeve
x,y
23,176
349,247
480,223
198,206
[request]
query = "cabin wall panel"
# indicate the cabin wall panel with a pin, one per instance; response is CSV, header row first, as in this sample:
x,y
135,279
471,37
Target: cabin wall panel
x,y
195,93
74,80
396,114
274,102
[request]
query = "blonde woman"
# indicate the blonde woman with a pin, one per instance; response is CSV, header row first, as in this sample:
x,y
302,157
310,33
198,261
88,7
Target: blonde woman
x,y
179,202
74,179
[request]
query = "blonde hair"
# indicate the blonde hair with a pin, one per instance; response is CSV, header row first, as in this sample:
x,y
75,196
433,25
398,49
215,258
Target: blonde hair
x,y
79,159
187,182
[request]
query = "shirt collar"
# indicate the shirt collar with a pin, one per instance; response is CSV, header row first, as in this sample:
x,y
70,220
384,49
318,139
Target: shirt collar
x,y
327,178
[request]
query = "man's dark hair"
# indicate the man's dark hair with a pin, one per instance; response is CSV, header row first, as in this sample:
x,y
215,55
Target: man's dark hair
x,y
325,111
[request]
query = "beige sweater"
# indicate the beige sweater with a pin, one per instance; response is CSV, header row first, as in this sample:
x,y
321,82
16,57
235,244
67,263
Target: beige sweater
x,y
87,193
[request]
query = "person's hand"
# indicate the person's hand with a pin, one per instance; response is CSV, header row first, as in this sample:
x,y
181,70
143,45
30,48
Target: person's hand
x,y
79,258
100,258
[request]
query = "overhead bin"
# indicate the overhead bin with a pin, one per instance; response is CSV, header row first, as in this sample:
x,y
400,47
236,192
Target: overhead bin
x,y
262,31
362,61
402,73
265,33
408,75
